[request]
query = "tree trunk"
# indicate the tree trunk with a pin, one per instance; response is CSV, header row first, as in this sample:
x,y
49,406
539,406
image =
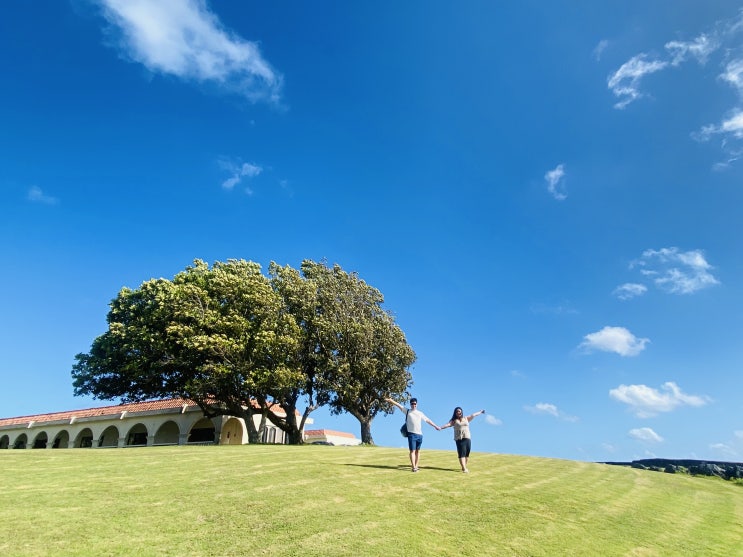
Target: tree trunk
x,y
366,435
295,437
254,435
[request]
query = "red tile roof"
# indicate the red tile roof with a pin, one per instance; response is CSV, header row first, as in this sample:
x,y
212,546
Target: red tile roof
x,y
147,406
325,432
101,411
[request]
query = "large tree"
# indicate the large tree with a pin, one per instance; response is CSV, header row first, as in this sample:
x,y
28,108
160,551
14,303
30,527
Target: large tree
x,y
218,336
362,353
239,343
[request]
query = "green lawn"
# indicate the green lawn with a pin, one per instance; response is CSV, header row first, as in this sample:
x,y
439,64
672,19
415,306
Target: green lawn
x,y
355,501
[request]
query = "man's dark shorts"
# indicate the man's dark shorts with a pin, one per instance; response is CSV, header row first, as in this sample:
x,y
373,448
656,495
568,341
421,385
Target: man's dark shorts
x,y
415,440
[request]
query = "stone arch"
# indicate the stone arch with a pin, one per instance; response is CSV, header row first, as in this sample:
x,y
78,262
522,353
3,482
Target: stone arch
x,y
109,437
232,432
40,441
137,435
84,439
167,434
62,440
20,442
202,431
4,442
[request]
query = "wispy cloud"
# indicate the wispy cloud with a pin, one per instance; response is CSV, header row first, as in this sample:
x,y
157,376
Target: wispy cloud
x,y
731,126
614,339
625,82
733,74
726,450
555,179
699,49
238,171
646,401
183,38
550,410
676,271
599,49
722,41
732,448
629,290
492,420
36,195
561,308
645,434
608,447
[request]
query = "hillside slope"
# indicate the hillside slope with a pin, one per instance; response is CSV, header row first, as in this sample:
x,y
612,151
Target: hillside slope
x,y
354,501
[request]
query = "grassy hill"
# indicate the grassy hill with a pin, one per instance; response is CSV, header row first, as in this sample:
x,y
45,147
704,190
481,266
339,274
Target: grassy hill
x,y
355,501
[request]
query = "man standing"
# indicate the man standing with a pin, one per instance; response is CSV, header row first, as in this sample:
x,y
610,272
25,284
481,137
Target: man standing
x,y
414,419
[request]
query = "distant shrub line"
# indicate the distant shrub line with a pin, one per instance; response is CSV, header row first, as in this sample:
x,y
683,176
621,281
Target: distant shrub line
x,y
725,470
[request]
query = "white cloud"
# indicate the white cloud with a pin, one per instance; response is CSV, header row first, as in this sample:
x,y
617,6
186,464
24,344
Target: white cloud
x,y
550,410
560,308
238,172
35,195
645,434
629,290
700,48
645,401
733,74
732,156
724,449
730,449
546,408
183,38
625,82
492,420
555,182
599,50
676,271
608,447
731,126
614,339
722,38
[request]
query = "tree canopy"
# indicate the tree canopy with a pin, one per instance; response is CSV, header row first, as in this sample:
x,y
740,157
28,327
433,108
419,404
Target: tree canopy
x,y
365,354
238,343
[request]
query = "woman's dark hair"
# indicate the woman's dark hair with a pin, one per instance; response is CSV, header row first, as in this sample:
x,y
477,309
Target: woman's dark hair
x,y
454,414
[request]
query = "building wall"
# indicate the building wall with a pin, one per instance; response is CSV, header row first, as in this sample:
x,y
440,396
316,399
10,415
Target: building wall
x,y
330,437
171,426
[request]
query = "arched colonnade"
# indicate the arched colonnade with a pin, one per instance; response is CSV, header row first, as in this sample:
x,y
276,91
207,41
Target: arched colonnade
x,y
170,422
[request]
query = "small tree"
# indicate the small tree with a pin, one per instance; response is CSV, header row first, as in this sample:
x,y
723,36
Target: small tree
x,y
363,353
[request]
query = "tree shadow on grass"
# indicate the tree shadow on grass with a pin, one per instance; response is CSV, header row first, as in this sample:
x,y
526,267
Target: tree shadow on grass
x,y
403,467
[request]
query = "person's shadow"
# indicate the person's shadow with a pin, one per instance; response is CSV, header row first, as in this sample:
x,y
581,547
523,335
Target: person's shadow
x,y
405,467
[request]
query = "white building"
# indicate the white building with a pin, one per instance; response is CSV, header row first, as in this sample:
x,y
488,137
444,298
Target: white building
x,y
158,422
330,437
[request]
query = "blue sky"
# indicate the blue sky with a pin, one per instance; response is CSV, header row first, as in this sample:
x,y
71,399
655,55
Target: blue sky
x,y
547,193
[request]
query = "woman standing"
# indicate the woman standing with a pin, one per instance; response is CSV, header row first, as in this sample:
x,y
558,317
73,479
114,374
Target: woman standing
x,y
462,438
